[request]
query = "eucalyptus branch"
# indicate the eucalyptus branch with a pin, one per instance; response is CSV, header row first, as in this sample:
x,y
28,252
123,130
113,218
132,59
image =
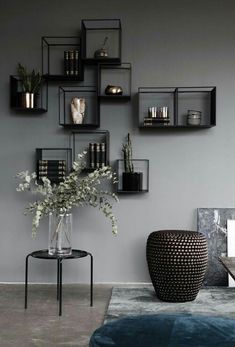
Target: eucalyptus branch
x,y
74,191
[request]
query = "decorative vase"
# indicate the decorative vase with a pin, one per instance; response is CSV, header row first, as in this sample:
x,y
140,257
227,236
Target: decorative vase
x,y
60,233
113,90
132,181
28,100
102,52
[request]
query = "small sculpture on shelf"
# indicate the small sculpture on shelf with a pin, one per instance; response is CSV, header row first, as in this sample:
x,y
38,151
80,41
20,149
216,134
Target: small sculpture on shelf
x,y
30,83
102,52
113,90
131,180
78,106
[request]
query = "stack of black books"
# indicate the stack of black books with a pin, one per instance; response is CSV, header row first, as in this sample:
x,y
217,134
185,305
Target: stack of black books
x,y
71,63
157,116
150,121
54,170
97,155
156,121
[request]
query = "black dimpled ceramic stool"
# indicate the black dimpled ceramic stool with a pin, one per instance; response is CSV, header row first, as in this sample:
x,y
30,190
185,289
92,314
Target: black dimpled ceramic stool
x,y
177,262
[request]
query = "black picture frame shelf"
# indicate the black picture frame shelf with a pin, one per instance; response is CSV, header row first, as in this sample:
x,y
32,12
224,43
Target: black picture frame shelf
x,y
178,100
53,58
92,110
93,34
41,102
117,75
84,140
133,183
54,163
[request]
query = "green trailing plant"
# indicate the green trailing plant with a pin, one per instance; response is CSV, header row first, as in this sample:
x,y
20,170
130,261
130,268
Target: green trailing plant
x,y
75,190
127,155
30,81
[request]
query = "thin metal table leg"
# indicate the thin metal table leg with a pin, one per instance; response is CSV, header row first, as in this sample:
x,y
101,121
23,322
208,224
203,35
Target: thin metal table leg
x,y
26,282
60,287
58,278
91,285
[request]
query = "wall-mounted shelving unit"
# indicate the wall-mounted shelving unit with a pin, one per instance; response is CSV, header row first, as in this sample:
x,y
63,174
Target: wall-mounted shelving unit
x,y
92,112
95,143
40,102
136,182
117,75
100,47
178,100
53,163
94,34
61,58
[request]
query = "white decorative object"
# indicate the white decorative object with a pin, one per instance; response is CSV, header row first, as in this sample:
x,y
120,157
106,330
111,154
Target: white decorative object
x,y
231,246
78,106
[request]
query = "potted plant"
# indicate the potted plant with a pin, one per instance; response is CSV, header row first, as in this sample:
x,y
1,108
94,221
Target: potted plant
x,y
30,83
57,201
131,180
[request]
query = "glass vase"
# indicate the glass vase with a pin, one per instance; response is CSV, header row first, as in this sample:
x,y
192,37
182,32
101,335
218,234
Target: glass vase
x,y
60,233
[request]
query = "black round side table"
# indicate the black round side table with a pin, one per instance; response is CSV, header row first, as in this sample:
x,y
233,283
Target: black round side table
x,y
43,254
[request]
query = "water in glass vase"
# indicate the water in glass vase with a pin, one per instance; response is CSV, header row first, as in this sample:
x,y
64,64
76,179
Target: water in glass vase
x,y
60,233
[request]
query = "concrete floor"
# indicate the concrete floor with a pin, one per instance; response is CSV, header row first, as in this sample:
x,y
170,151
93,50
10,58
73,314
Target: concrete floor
x,y
40,324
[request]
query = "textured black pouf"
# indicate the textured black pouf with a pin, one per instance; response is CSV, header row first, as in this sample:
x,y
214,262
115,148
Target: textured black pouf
x,y
177,261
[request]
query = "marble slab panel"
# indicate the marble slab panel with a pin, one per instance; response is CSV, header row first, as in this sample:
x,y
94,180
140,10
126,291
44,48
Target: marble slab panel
x,y
212,222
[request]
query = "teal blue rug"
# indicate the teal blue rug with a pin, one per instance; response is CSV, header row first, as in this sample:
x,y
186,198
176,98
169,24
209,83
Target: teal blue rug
x,y
133,300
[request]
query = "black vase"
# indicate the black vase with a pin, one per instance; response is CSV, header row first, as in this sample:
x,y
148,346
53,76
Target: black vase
x,y
132,181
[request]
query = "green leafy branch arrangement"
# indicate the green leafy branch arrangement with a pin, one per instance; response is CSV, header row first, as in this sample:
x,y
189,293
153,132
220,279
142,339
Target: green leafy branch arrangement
x,y
74,191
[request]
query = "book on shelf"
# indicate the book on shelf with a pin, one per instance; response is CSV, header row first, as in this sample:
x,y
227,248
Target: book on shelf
x,y
92,155
71,62
76,62
51,172
156,124
97,155
51,165
51,168
156,120
52,162
102,154
66,63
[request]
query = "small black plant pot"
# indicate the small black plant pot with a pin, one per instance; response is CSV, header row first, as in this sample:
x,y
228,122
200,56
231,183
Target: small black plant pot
x,y
132,181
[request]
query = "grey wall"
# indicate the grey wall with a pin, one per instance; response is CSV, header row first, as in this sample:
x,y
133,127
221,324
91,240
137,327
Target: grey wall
x,y
169,43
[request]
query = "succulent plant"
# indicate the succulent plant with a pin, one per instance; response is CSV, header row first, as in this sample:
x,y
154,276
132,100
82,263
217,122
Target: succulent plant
x,y
30,81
